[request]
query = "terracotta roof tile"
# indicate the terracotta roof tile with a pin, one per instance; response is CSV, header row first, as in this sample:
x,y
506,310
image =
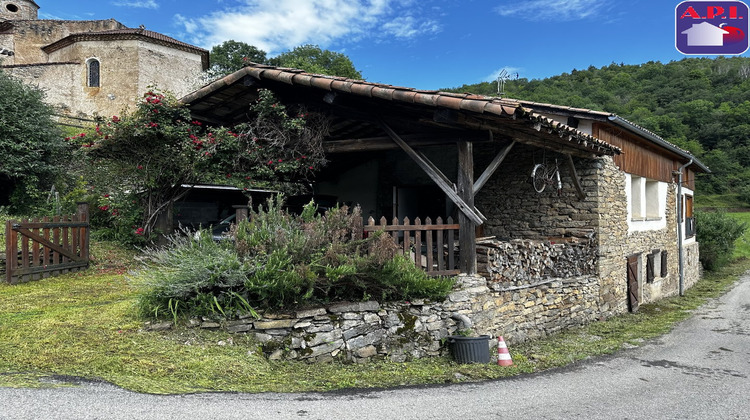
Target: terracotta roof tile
x,y
383,93
404,95
341,85
458,101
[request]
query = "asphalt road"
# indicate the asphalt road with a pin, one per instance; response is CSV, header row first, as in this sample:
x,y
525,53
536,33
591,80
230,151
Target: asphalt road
x,y
698,371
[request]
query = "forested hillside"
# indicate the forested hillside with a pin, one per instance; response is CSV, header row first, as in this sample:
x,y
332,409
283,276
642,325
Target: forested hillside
x,y
699,104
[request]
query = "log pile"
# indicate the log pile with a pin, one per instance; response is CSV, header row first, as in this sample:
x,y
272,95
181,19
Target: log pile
x,y
522,262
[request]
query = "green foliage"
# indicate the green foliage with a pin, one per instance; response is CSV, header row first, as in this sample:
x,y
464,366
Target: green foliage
x,y
717,233
277,260
145,156
32,146
698,104
313,59
193,274
230,56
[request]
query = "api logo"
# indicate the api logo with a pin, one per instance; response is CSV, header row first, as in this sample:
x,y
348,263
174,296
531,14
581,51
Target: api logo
x,y
711,27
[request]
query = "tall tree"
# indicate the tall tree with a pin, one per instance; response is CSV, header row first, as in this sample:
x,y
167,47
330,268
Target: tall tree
x,y
31,143
313,59
230,56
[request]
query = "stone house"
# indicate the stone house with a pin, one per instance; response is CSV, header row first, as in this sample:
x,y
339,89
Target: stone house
x,y
531,262
93,67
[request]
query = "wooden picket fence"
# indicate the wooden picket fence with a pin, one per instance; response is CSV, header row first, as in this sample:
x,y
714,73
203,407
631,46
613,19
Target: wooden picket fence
x,y
46,247
430,245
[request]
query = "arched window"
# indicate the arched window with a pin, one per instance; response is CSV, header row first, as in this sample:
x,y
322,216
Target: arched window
x,y
93,73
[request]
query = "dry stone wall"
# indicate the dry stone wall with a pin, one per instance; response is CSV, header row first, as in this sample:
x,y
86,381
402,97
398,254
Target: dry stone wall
x,y
400,331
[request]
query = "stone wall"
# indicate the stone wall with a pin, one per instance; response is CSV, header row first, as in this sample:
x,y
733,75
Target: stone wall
x,y
128,67
400,331
516,211
29,36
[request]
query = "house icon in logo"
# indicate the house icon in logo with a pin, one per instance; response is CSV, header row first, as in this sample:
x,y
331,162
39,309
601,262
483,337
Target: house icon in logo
x,y
705,34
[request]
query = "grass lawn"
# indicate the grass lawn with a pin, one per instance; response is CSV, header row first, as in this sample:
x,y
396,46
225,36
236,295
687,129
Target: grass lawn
x,y
742,245
83,325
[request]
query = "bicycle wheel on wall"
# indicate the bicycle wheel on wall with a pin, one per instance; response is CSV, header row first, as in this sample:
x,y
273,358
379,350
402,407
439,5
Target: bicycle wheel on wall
x,y
538,177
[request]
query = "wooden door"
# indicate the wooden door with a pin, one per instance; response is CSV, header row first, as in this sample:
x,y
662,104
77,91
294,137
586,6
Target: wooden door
x,y
633,283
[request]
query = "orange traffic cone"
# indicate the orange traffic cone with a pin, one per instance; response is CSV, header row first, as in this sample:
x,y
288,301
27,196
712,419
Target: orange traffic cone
x,y
503,356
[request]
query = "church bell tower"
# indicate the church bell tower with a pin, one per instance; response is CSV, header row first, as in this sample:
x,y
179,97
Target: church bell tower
x,y
18,10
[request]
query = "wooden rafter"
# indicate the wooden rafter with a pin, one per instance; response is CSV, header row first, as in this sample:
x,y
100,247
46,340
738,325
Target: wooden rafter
x,y
492,167
437,177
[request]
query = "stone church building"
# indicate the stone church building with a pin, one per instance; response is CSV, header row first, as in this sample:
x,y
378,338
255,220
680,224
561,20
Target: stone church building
x,y
93,67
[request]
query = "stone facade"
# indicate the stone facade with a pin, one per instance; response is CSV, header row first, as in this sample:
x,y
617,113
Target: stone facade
x,y
55,55
519,212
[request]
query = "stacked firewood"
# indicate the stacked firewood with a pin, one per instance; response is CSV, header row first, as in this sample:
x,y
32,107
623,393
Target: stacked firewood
x,y
520,262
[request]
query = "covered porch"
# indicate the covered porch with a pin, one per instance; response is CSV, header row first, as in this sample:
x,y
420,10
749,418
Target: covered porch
x,y
402,153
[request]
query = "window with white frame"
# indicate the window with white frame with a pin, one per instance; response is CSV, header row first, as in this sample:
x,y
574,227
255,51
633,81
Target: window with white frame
x,y
647,201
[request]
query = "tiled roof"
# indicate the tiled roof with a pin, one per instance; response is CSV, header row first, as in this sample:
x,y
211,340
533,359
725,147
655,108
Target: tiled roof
x,y
619,121
472,104
128,33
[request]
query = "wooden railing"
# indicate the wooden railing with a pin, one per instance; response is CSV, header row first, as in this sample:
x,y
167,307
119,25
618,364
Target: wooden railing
x,y
46,247
432,246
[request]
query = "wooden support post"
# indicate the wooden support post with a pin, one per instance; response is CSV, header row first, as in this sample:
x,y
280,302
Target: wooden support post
x,y
241,213
164,225
574,175
83,216
467,233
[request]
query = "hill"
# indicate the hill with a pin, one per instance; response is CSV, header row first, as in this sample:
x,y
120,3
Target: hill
x,y
699,104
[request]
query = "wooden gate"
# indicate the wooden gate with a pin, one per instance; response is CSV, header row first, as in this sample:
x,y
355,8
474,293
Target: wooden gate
x,y
46,247
430,245
633,283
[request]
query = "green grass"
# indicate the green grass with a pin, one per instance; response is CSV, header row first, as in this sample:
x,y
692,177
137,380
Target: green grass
x,y
731,201
83,326
742,245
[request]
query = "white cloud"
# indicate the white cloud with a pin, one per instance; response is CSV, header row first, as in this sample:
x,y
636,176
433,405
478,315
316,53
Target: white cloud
x,y
143,4
559,10
278,25
409,27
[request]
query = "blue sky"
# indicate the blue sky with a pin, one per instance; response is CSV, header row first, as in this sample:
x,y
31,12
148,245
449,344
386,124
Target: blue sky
x,y
416,43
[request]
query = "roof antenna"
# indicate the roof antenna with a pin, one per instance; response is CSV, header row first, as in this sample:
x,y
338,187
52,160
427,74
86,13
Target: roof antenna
x,y
503,77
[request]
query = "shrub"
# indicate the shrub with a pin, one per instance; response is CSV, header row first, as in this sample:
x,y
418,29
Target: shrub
x,y
32,146
195,276
717,232
278,260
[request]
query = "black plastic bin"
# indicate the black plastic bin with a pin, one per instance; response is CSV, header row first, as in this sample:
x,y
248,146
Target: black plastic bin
x,y
470,349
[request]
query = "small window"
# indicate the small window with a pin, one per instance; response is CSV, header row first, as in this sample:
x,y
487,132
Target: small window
x,y
12,8
93,73
664,263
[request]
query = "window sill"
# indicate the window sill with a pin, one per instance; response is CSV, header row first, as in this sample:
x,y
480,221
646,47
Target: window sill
x,y
645,219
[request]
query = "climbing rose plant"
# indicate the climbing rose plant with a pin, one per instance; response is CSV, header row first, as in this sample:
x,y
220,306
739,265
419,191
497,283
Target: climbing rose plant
x,y
156,148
